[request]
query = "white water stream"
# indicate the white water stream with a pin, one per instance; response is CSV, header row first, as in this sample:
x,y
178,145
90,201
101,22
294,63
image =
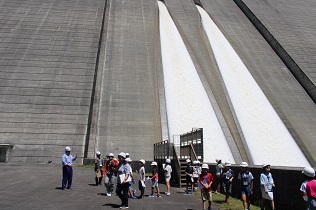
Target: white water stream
x,y
188,105
267,138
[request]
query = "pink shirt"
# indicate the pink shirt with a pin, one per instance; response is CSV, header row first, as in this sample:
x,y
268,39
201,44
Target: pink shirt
x,y
311,189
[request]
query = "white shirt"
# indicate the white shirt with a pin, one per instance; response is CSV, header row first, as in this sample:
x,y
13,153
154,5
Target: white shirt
x,y
303,189
168,170
141,173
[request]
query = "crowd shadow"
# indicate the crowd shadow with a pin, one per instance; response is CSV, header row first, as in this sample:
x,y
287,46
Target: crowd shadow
x,y
116,206
58,188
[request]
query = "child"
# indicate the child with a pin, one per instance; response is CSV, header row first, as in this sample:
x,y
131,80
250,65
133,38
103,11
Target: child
x,y
228,177
267,184
205,182
141,178
246,184
154,180
168,170
219,171
131,192
196,172
309,174
189,176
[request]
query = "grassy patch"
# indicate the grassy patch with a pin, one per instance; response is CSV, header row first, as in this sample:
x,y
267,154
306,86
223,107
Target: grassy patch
x,y
234,203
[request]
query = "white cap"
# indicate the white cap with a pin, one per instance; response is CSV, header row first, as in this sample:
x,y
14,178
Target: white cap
x,y
98,153
127,154
153,163
188,161
205,166
123,155
111,155
309,171
244,164
67,149
265,165
142,161
168,160
227,163
128,160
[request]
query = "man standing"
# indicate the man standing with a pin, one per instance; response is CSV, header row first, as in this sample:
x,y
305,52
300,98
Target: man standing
x,y
67,160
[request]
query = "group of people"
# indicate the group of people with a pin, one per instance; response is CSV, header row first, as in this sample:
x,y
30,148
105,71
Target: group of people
x,y
120,171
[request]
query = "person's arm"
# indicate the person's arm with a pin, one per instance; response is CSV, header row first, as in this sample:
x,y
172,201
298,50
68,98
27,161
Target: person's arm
x,y
251,185
75,158
64,160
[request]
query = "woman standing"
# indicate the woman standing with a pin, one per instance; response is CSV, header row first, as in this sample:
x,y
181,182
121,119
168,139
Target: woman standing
x,y
267,184
98,169
123,173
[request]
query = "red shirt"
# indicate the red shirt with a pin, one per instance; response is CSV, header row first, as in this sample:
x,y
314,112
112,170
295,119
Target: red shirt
x,y
311,189
206,179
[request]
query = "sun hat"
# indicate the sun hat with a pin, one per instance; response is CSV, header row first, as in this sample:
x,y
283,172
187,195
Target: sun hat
x,y
98,153
168,160
111,155
128,160
309,171
67,149
153,163
244,164
142,161
122,154
205,166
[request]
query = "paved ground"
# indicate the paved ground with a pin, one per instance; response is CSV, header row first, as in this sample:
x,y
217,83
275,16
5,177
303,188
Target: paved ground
x,y
37,187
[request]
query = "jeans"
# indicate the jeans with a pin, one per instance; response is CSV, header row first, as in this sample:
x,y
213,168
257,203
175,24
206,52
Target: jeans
x,y
109,181
67,177
311,204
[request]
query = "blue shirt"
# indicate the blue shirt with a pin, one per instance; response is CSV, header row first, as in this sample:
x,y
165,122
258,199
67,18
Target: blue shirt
x,y
123,169
266,179
67,159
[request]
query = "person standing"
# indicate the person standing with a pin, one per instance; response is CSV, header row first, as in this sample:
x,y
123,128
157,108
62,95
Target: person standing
x,y
67,160
189,177
228,177
168,170
131,191
267,183
154,180
98,169
141,178
218,179
110,173
246,184
123,178
311,191
309,174
205,183
196,172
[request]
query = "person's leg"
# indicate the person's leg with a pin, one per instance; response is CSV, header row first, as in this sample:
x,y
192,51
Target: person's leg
x,y
262,203
204,204
119,189
248,201
112,182
100,179
125,194
158,191
65,178
272,204
69,171
168,186
243,198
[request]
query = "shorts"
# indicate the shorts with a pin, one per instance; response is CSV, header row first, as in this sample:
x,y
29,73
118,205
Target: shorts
x,y
227,187
140,186
206,196
245,190
154,184
268,195
189,180
168,178
195,179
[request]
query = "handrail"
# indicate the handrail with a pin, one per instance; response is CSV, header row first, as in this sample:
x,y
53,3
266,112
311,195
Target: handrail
x,y
193,151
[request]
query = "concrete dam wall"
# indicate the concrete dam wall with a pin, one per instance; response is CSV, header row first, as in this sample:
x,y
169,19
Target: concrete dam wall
x,y
90,74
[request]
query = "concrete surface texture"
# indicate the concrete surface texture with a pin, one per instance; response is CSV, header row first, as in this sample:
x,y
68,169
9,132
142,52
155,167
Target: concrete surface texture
x,y
56,55
34,187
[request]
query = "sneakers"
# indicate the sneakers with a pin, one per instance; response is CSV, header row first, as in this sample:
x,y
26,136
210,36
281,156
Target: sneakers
x,y
109,194
227,201
168,193
132,197
158,196
123,207
151,196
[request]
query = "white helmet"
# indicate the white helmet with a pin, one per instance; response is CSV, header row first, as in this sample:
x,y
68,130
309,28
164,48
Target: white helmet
x,y
127,154
309,171
123,155
153,163
168,160
111,155
188,161
128,160
142,161
227,163
244,164
98,153
205,166
67,149
194,162
265,165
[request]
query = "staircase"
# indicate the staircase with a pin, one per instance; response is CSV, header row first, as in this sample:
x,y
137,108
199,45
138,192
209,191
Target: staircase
x,y
183,165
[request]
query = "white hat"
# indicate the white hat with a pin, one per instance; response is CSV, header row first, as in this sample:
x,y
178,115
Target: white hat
x,y
127,154
67,149
142,161
194,162
122,154
227,163
153,163
265,165
111,155
205,166
98,153
244,164
168,160
128,160
309,171
188,161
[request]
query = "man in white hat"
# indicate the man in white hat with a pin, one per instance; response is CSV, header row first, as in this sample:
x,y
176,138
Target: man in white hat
x,y
98,168
67,160
110,173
